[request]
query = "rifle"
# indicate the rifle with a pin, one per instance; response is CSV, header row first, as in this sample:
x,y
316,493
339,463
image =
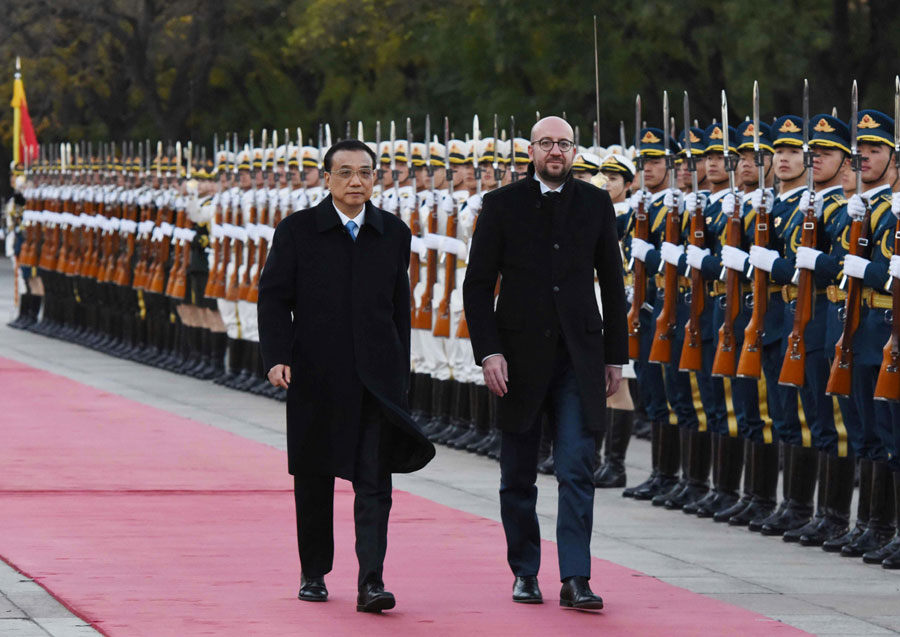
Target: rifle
x,y
442,323
792,369
725,359
691,354
661,349
244,290
424,319
641,231
750,361
415,224
262,245
163,219
122,270
839,380
232,288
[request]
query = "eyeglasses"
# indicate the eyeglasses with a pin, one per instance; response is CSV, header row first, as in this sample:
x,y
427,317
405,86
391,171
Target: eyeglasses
x,y
347,173
546,144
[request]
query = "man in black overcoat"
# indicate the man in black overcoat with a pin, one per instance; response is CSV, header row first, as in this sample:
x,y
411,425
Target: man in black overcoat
x,y
546,347
334,321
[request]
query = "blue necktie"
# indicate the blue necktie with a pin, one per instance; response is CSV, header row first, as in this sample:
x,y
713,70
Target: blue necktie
x,y
352,228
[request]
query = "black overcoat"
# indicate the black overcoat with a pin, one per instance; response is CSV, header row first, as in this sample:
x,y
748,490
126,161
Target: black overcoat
x,y
337,311
547,263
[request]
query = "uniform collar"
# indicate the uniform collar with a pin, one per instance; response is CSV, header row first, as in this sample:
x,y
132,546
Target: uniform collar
x,y
327,216
790,193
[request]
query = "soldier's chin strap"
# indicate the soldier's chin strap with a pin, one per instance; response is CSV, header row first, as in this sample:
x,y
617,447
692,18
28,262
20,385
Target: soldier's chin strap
x,y
839,168
887,165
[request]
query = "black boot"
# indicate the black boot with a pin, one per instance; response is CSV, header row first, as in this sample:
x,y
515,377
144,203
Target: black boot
x,y
654,463
669,461
21,321
697,488
802,487
880,529
763,484
684,452
862,511
467,422
478,399
756,524
611,474
731,461
424,399
738,507
889,550
794,535
892,560
838,487
233,352
642,427
441,397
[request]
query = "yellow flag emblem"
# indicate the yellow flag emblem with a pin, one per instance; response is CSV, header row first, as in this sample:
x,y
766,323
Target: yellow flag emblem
x,y
716,134
823,127
789,127
650,138
748,132
694,138
868,122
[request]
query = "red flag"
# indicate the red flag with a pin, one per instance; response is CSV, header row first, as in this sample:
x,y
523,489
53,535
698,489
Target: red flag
x,y
23,130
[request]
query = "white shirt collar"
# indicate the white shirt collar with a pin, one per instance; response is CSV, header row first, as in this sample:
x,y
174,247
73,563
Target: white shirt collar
x,y
359,220
790,193
871,192
545,188
830,189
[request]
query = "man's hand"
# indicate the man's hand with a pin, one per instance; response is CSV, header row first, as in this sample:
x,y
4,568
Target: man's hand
x,y
613,379
280,376
496,374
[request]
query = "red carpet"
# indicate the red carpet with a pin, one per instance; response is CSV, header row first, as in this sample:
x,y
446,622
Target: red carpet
x,y
146,523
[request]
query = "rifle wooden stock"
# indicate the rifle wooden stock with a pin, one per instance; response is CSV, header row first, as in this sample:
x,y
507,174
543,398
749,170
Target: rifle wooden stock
x,y
839,380
244,289
750,362
888,385
237,256
216,282
661,349
157,282
415,266
641,231
691,351
725,360
423,319
462,330
262,250
172,279
793,367
442,322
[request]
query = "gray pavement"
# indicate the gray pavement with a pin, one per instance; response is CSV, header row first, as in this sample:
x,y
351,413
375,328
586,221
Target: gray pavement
x,y
804,587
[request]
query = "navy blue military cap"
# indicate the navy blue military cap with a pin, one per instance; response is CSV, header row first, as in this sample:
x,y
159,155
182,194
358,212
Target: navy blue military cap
x,y
716,139
652,143
826,131
787,130
876,127
745,136
698,141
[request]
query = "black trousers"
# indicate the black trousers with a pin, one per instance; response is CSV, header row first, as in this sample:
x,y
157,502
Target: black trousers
x,y
314,500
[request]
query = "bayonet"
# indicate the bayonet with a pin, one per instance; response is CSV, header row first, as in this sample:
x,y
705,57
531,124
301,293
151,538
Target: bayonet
x,y
513,174
638,159
621,136
498,175
897,121
379,173
359,131
596,83
475,165
409,154
321,159
669,155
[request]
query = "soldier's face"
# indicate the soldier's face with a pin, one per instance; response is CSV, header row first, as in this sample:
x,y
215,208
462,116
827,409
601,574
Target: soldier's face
x,y
440,177
582,175
746,168
244,179
616,185
715,168
827,163
312,175
875,158
402,174
487,175
789,163
468,172
848,181
654,172
421,178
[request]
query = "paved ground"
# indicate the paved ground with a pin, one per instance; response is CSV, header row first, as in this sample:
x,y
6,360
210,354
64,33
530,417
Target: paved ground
x,y
804,587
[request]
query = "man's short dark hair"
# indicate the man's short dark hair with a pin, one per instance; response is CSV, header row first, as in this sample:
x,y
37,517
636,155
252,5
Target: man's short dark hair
x,y
351,145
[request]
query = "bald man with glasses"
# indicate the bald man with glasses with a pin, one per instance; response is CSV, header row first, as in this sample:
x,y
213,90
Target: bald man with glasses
x,y
546,347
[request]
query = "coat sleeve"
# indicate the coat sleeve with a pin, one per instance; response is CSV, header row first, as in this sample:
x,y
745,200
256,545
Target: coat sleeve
x,y
481,279
277,299
402,308
608,263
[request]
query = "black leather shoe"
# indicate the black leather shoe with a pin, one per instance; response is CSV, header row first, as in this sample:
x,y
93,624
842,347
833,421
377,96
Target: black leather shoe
x,y
374,599
576,593
526,590
312,589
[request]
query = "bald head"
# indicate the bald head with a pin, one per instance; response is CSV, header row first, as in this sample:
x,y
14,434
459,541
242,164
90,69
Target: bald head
x,y
553,127
552,166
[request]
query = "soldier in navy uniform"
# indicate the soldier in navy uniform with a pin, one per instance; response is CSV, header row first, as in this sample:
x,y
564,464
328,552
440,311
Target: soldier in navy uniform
x,y
875,140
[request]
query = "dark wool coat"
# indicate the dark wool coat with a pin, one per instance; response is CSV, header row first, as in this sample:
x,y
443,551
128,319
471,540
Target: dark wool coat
x,y
547,261
337,311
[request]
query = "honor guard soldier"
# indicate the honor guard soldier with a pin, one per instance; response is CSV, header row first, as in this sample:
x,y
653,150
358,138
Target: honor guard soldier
x,y
876,146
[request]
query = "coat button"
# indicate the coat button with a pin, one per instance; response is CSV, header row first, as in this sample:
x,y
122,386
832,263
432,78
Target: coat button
x,y
548,333
556,288
556,246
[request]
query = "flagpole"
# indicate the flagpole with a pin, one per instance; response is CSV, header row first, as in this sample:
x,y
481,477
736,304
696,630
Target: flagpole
x,y
17,113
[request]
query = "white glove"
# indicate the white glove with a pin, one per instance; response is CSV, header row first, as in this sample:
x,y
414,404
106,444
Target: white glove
x,y
817,202
856,207
728,204
636,199
895,204
672,199
760,198
629,294
426,199
474,203
763,258
806,257
692,200
671,253
640,248
376,201
695,256
390,204
734,258
447,203
894,268
855,266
